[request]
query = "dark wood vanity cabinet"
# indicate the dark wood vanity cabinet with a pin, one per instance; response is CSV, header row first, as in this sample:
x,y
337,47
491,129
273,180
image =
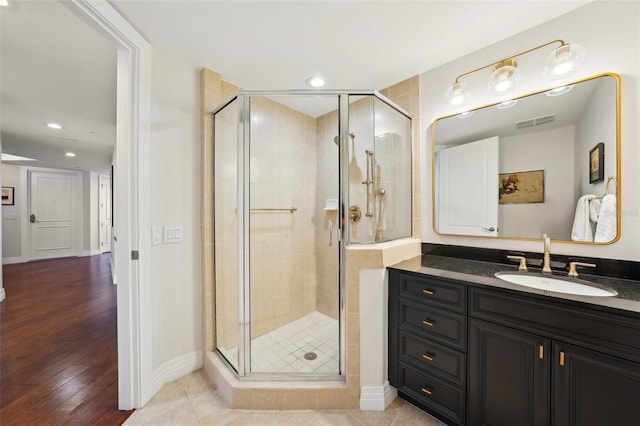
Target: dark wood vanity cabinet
x,y
527,360
508,376
428,343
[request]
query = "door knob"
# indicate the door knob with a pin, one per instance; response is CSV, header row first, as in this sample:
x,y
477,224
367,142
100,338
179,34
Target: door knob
x,y
32,218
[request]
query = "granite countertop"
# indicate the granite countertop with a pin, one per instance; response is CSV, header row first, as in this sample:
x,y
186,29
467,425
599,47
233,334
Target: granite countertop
x,y
482,273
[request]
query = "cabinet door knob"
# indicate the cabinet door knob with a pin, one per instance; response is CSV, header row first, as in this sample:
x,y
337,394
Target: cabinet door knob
x,y
562,358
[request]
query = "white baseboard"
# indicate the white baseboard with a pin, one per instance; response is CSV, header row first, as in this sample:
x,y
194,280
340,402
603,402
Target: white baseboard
x,y
10,260
377,398
3,294
176,368
92,252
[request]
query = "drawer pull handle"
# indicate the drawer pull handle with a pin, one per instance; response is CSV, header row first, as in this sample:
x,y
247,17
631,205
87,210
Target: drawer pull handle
x,y
541,352
427,391
562,358
429,323
428,292
428,357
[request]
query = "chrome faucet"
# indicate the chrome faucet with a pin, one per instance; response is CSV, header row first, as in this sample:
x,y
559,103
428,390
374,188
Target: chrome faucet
x,y
546,259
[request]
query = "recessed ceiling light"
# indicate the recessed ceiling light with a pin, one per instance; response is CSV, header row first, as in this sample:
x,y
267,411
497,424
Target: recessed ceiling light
x,y
70,154
315,81
465,114
4,2
54,126
559,90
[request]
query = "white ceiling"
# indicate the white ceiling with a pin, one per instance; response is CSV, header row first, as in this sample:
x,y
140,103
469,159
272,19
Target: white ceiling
x,y
56,67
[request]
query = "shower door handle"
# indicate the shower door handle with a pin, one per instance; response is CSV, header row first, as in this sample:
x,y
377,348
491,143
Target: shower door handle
x,y
330,233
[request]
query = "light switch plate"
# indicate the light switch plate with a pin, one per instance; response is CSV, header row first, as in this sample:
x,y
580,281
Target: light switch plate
x,y
156,235
173,234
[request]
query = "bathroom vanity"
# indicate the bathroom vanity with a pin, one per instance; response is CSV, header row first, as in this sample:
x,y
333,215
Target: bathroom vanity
x,y
474,350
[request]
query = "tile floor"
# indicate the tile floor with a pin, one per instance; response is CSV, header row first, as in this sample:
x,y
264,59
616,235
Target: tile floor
x,y
283,349
192,400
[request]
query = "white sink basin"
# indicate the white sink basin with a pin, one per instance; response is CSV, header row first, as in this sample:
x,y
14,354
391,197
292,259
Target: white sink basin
x,y
558,285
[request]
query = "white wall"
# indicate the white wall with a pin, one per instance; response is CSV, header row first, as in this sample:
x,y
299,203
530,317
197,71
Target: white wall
x,y
593,128
90,187
609,33
11,216
175,188
553,153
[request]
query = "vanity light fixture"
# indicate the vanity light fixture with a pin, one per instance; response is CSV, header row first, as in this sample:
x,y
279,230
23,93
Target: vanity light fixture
x,y
315,81
560,63
559,90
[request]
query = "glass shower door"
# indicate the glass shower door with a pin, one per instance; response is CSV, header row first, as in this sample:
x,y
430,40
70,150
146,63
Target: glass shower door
x,y
293,249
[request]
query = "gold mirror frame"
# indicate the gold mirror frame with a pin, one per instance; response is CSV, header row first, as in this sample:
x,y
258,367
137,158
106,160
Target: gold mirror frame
x,y
617,175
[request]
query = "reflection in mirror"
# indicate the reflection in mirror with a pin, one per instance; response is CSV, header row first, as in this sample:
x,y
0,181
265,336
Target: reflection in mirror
x,y
539,164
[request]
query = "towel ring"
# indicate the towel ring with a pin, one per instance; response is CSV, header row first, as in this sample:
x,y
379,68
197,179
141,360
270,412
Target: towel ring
x,y
609,179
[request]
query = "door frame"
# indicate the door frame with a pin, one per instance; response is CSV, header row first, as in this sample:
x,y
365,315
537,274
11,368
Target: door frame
x,y
131,203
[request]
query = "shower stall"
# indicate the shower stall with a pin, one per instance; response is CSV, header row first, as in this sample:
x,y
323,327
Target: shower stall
x,y
298,176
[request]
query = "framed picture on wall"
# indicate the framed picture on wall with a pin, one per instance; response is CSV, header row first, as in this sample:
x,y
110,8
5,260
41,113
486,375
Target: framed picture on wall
x,y
7,195
596,163
521,187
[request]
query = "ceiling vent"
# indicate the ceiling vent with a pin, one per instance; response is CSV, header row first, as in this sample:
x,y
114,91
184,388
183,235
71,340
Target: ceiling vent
x,y
533,122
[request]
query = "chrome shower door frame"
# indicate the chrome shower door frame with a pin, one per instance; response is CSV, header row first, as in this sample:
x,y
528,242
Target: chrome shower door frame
x,y
243,235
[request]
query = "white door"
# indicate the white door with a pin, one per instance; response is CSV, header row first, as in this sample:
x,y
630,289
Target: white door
x,y
105,213
53,222
468,189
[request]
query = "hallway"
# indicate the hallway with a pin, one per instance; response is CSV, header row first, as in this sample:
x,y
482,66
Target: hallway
x,y
58,343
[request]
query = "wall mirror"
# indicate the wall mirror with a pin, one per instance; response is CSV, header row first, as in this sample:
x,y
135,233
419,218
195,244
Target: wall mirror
x,y
544,163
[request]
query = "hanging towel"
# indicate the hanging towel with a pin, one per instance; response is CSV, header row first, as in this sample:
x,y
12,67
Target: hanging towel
x,y
594,209
606,228
581,230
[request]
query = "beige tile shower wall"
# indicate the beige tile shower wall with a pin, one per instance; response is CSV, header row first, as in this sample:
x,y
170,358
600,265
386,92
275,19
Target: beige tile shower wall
x,y
406,94
283,251
327,188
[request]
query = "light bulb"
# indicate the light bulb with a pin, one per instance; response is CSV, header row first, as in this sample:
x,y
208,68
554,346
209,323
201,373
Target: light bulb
x,y
503,80
563,61
457,95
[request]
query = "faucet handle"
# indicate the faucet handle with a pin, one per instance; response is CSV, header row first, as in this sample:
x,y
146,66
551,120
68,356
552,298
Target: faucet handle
x,y
573,267
523,262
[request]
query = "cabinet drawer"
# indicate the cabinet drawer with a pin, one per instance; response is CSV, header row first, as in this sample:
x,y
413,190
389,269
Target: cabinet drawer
x,y
435,324
603,331
432,393
447,363
433,291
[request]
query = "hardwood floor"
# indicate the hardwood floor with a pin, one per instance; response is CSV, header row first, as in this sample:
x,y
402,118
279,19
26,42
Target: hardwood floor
x,y
58,347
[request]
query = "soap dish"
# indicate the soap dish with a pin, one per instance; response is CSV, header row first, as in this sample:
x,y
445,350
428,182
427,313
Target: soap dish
x,y
332,204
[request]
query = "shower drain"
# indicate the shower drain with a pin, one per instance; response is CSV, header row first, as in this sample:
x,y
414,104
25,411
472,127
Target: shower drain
x,y
310,356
